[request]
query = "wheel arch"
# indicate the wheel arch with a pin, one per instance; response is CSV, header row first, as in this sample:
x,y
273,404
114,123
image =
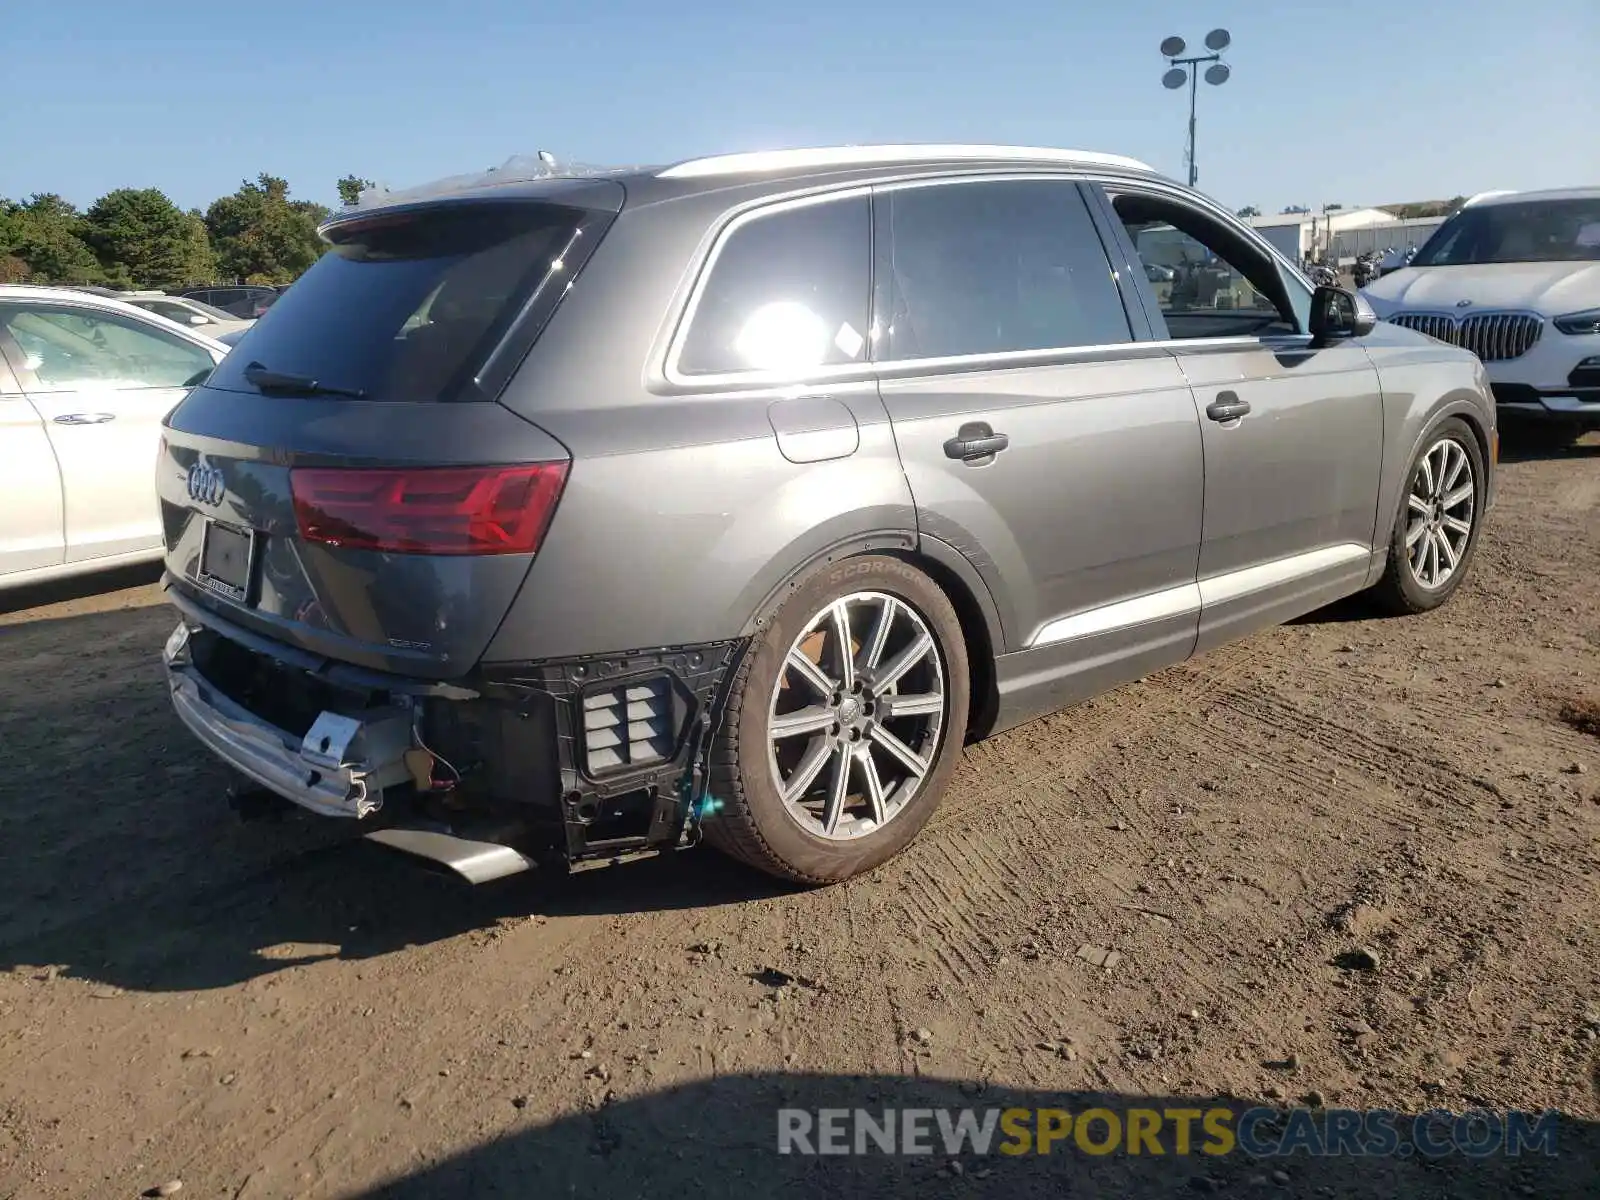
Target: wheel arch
x,y
955,577
1415,407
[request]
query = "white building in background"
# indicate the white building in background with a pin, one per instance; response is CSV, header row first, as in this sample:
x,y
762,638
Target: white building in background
x,y
1320,235
1393,235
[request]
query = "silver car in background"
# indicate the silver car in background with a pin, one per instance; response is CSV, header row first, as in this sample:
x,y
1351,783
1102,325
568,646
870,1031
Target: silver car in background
x,y
587,514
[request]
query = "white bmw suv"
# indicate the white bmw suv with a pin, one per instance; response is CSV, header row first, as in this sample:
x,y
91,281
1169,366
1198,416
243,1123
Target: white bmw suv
x,y
1515,278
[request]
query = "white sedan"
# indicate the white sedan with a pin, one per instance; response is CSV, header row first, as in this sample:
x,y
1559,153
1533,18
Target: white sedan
x,y
85,382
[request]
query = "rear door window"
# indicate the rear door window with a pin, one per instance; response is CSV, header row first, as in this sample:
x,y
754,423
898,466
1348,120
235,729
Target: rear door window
x,y
994,267
789,289
407,306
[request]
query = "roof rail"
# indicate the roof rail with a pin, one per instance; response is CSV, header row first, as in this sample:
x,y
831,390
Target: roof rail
x,y
1488,196
852,156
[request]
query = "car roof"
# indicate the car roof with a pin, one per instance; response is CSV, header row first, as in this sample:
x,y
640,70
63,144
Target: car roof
x,y
32,291
822,158
1484,199
543,178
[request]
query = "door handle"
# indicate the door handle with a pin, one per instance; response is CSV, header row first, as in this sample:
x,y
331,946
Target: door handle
x,y
84,418
1227,407
975,440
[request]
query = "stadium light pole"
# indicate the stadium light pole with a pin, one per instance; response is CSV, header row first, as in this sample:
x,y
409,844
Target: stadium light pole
x,y
1217,73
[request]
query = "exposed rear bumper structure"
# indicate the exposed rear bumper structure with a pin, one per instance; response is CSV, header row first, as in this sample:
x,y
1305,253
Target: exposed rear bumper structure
x,y
339,768
561,763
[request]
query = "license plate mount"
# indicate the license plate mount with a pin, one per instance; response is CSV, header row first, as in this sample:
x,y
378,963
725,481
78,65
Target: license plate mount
x,y
227,560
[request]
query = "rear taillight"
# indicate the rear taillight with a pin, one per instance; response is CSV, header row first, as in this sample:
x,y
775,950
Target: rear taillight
x,y
428,510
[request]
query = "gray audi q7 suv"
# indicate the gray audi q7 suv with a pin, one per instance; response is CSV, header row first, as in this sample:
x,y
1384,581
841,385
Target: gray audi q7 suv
x,y
571,516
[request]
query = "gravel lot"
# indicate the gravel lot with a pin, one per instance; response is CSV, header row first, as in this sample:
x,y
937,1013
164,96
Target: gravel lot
x,y
267,1010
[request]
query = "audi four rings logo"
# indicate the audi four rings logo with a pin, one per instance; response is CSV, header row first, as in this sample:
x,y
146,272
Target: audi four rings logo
x,y
206,485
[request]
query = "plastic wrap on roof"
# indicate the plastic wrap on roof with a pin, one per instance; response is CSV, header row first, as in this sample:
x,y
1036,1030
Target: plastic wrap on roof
x,y
519,168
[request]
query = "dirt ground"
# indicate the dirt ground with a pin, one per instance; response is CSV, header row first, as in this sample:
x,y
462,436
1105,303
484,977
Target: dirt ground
x,y
268,1010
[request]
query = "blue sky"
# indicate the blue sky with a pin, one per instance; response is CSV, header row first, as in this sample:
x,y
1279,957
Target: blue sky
x,y
1353,102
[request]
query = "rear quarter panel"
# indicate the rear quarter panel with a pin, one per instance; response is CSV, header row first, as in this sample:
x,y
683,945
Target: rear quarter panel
x,y
423,615
681,517
1424,382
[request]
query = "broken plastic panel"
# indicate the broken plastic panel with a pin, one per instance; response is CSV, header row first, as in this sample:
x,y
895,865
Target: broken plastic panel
x,y
519,168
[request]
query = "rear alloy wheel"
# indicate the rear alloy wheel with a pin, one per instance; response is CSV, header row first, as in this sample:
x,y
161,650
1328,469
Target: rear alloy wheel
x,y
854,724
1436,530
843,724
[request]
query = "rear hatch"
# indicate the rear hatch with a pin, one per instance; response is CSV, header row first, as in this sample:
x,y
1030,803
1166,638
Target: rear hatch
x,y
345,482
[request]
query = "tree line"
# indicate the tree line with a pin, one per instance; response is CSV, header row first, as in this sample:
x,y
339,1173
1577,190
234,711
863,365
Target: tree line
x,y
138,238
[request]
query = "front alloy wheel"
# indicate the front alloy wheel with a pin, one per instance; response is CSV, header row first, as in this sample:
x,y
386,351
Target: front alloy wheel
x,y
1440,508
1436,529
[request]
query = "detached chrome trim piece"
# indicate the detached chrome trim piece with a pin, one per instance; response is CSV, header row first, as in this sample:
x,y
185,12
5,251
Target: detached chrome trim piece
x,y
475,861
1190,598
861,156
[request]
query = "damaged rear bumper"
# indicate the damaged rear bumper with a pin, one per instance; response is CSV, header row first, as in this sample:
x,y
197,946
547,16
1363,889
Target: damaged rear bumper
x,y
563,762
339,768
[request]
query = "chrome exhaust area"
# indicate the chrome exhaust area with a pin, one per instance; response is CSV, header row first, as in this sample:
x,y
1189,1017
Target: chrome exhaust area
x,y
474,861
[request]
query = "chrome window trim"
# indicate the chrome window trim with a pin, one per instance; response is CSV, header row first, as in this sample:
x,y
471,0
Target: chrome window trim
x,y
1193,598
668,371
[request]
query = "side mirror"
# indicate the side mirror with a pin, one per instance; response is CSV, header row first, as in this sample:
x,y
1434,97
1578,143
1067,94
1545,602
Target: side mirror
x,y
198,319
1337,315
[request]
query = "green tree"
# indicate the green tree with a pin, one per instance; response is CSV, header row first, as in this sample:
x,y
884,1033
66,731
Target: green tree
x,y
350,188
260,235
1249,210
143,239
41,241
199,259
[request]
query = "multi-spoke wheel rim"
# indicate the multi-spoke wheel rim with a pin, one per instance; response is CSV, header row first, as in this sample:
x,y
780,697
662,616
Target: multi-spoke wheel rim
x,y
1440,507
853,727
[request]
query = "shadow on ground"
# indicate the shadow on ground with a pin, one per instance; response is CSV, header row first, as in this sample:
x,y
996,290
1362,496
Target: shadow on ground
x,y
79,587
1522,444
121,862
719,1138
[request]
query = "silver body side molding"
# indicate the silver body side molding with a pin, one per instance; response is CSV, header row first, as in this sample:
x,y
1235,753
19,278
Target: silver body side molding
x,y
1192,597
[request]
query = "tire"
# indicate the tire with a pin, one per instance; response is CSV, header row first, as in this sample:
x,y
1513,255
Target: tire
x,y
747,817
1405,586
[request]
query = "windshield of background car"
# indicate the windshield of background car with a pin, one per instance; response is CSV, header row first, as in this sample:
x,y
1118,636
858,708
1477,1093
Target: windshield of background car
x,y
407,306
1530,231
181,313
216,314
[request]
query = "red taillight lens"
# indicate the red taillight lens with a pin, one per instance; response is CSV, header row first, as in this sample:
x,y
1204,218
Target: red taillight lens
x,y
428,510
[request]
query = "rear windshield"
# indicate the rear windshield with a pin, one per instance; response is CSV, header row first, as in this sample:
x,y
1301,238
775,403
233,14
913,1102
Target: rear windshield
x,y
406,306
1530,231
